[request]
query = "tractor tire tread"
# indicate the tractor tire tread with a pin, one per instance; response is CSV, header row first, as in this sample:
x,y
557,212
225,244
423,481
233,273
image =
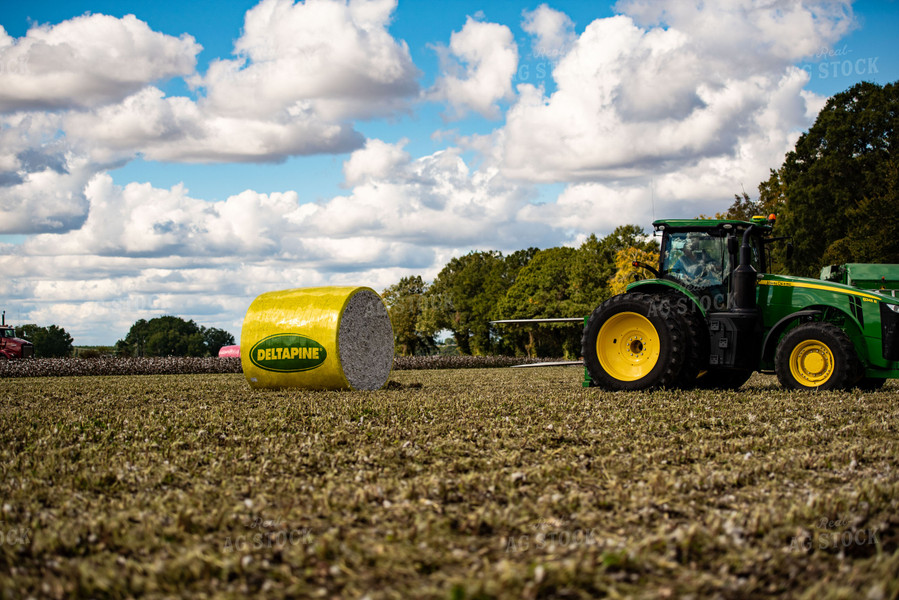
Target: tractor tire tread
x,y
669,375
847,369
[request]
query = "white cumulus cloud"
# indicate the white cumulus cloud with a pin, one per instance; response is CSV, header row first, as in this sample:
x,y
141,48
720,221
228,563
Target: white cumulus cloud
x,y
329,58
698,99
181,130
378,160
81,97
303,72
479,65
87,61
552,30
145,251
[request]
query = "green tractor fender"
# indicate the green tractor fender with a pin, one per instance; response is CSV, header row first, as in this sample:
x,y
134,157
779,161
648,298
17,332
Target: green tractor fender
x,y
845,321
769,346
665,286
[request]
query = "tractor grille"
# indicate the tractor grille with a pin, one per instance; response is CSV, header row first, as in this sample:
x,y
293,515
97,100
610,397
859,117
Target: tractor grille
x,y
27,351
889,322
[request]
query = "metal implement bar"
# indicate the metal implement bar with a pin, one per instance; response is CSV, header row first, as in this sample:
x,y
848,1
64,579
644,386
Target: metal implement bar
x,y
553,320
564,363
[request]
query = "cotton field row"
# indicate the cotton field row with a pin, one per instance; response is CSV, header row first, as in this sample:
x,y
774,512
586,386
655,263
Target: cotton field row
x,y
173,365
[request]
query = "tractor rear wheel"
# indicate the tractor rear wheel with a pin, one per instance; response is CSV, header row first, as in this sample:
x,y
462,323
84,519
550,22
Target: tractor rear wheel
x,y
631,343
696,357
816,356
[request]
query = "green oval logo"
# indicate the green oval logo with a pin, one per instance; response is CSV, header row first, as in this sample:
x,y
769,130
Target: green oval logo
x,y
287,353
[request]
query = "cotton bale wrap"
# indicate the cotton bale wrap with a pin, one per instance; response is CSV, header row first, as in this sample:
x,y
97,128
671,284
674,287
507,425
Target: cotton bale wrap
x,y
317,338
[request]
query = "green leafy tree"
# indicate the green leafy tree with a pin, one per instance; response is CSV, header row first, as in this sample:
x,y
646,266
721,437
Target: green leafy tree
x,y
49,342
405,301
594,266
838,187
589,273
163,336
626,272
215,338
135,343
743,208
874,227
543,289
772,196
463,298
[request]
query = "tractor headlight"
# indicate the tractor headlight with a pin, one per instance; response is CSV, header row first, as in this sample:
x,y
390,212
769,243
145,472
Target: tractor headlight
x,y
893,307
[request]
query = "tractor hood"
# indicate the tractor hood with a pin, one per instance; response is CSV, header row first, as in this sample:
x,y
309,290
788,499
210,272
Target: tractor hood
x,y
819,285
876,312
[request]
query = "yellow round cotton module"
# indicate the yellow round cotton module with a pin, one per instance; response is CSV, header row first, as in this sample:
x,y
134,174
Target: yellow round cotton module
x,y
317,338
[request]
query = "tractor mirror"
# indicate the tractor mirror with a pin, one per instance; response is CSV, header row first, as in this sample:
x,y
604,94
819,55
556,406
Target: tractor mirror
x,y
789,250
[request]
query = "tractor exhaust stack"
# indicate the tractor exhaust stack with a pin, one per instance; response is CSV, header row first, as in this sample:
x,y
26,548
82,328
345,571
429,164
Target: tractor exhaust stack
x,y
744,278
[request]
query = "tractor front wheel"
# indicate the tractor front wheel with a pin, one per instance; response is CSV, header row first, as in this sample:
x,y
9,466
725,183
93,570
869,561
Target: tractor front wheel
x,y
634,342
816,356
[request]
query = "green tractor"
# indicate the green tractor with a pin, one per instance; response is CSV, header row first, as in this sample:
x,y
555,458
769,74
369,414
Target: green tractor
x,y
713,314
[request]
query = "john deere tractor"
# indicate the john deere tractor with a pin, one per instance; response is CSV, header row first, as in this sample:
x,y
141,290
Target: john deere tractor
x,y
712,314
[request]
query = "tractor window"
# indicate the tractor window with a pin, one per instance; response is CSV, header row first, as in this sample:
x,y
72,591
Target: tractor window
x,y
700,262
8,333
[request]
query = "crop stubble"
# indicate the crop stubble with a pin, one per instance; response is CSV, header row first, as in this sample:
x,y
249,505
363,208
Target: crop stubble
x,y
449,484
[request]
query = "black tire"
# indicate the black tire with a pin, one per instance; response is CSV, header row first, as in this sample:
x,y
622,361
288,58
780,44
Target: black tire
x,y
802,352
658,356
696,343
723,379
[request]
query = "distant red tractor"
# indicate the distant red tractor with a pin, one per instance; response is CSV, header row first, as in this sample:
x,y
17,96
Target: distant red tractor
x,y
12,347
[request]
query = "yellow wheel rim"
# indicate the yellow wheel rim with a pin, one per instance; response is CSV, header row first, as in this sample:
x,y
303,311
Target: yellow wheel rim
x,y
627,346
811,363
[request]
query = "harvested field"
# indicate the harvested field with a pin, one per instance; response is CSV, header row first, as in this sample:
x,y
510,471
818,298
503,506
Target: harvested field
x,y
475,483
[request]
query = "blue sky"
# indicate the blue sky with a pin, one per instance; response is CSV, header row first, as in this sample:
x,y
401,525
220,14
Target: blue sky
x,y
189,157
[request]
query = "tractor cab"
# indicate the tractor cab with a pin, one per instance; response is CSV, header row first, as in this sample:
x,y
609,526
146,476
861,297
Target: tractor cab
x,y
12,347
697,255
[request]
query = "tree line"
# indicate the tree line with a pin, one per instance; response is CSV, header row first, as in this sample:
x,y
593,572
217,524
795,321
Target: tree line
x,y
483,286
172,336
49,342
161,336
837,192
836,196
